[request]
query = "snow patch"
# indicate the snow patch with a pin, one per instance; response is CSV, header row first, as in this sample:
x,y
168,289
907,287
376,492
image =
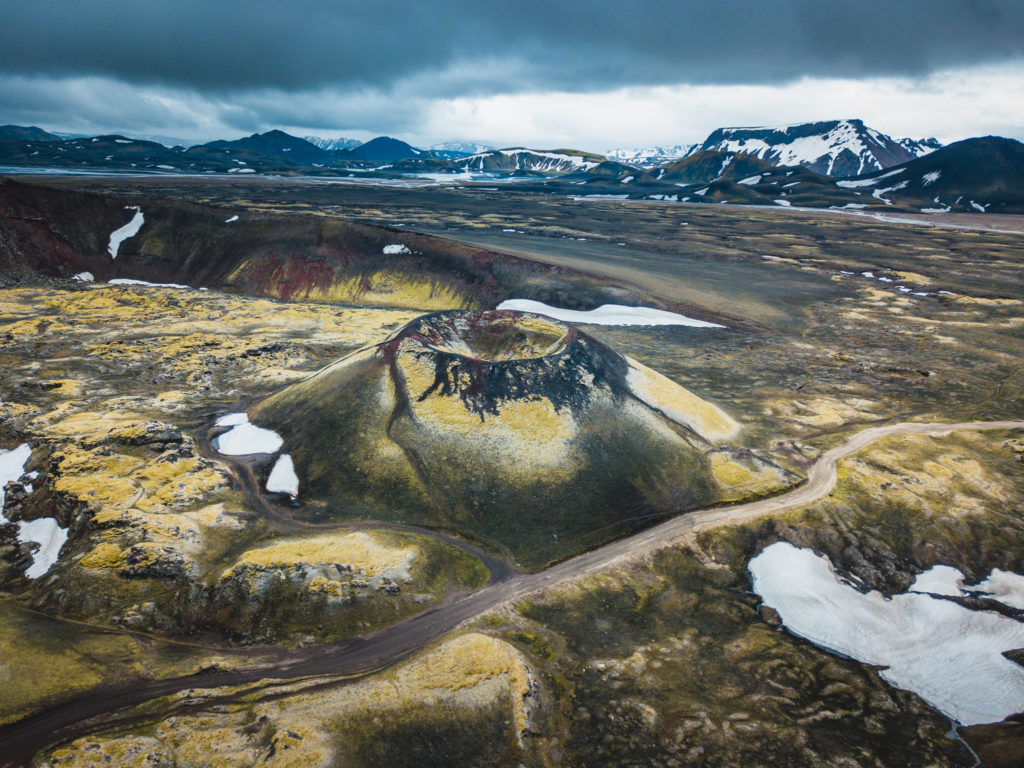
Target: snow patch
x,y
84,277
244,439
232,419
233,218
607,314
283,478
1004,586
131,229
930,178
868,182
44,531
782,202
939,580
395,249
950,656
130,281
751,180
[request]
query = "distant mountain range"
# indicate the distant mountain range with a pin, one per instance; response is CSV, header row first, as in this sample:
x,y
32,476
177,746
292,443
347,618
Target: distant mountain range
x,y
529,161
332,144
453,149
650,157
840,163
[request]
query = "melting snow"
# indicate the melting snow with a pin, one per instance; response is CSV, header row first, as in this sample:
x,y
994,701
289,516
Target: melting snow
x,y
244,439
939,580
131,229
607,314
130,281
1004,586
232,419
84,277
395,248
283,478
868,182
950,656
44,531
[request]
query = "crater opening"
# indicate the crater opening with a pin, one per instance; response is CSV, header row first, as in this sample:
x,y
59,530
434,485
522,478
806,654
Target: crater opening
x,y
495,336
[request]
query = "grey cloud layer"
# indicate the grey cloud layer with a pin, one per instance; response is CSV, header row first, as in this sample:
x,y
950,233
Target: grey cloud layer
x,y
461,46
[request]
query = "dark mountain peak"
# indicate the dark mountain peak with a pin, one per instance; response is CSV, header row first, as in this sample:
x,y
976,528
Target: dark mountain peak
x,y
25,133
384,149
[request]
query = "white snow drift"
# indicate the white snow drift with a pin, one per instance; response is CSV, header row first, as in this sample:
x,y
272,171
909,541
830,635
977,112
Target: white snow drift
x,y
607,314
950,656
282,477
244,439
44,531
131,229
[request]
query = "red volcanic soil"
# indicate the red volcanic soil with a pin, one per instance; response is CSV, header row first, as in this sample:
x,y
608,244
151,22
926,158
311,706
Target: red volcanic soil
x,y
58,233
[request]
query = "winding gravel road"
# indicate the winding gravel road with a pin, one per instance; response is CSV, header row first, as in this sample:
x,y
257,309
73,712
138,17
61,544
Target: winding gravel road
x,y
364,654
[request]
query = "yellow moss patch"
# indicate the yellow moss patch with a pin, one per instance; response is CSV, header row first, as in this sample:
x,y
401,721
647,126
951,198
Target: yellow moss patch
x,y
382,288
679,404
359,549
105,556
922,472
10,410
89,426
823,411
744,477
125,752
65,387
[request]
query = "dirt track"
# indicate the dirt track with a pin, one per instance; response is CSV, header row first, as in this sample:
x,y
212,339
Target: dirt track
x,y
364,654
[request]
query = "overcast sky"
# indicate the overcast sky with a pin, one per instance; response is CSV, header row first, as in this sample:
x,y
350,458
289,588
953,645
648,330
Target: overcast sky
x,y
581,73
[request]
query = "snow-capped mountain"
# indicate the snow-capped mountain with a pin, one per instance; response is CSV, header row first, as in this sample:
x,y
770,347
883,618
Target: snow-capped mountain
x,y
332,144
649,157
833,147
456,148
519,159
920,147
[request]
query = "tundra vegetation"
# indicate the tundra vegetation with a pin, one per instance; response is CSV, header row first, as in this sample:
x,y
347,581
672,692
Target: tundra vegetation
x,y
179,560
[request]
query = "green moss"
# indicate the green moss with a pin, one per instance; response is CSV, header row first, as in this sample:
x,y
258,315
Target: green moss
x,y
434,737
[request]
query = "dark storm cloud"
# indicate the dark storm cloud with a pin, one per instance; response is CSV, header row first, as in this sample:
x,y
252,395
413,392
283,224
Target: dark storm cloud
x,y
567,44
